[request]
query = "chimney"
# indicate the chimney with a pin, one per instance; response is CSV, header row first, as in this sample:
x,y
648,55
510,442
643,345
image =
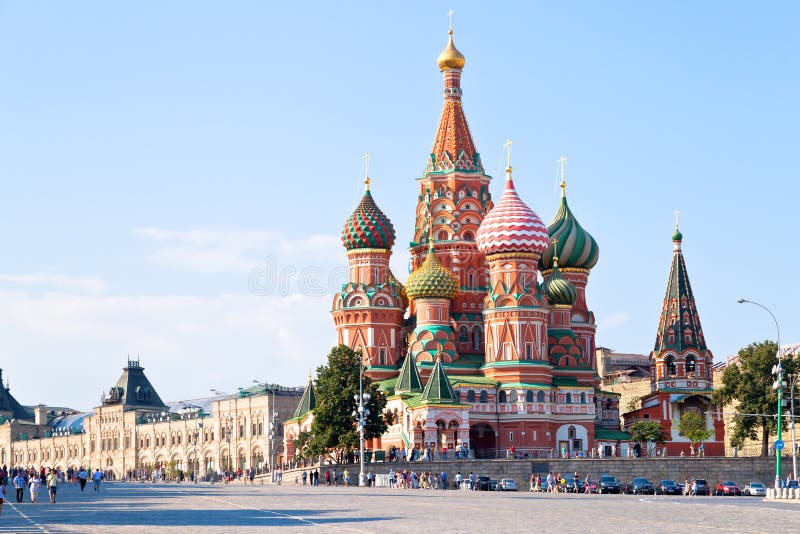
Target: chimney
x,y
40,415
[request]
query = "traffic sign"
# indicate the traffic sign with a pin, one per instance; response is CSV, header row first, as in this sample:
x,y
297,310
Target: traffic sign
x,y
779,445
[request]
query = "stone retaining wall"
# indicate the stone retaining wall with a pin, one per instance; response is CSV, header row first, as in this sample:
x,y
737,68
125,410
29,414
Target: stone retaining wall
x,y
741,470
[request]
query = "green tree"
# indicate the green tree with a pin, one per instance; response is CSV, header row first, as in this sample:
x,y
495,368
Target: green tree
x,y
647,431
693,427
334,430
748,384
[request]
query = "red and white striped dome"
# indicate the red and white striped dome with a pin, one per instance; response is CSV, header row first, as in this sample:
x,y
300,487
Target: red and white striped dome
x,y
511,226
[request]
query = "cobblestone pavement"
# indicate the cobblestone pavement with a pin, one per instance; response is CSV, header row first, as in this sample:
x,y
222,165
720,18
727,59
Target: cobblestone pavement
x,y
121,507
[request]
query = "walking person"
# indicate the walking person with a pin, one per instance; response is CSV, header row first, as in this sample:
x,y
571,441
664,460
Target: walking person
x,y
2,496
52,485
19,485
82,476
97,477
34,487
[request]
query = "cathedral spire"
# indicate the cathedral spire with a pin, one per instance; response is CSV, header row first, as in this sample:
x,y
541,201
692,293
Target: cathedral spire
x,y
679,327
453,147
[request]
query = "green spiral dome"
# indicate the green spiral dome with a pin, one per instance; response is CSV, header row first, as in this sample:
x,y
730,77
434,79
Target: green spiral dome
x,y
368,227
558,290
577,248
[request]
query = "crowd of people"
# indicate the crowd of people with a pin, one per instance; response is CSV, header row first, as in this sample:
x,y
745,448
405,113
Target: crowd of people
x,y
32,480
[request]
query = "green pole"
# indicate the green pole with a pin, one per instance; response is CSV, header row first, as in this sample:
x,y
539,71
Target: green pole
x,y
777,450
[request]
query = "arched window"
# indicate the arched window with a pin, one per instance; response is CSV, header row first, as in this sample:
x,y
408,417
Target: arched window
x,y
468,236
470,396
139,394
568,398
608,404
514,396
502,398
529,396
540,396
583,398
476,338
484,397
669,362
691,366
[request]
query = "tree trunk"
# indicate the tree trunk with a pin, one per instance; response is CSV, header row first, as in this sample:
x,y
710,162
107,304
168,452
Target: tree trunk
x,y
764,440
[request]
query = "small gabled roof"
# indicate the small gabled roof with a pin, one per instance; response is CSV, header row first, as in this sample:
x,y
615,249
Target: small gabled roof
x,y
408,381
438,389
133,390
308,402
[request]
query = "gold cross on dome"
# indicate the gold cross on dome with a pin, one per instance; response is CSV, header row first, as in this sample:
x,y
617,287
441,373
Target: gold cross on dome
x,y
366,170
507,146
450,14
563,161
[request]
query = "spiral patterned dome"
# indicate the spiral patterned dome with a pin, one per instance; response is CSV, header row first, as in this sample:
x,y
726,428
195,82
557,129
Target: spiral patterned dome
x,y
577,247
368,227
432,280
559,291
511,226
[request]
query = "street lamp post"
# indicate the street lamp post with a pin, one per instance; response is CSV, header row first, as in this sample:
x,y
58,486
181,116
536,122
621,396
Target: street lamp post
x,y
793,381
361,414
272,428
778,385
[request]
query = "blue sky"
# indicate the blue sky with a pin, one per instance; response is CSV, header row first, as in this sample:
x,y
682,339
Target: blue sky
x,y
159,158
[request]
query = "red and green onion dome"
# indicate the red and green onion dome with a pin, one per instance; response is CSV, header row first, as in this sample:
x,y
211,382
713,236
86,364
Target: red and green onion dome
x,y
577,248
558,290
511,226
368,227
432,280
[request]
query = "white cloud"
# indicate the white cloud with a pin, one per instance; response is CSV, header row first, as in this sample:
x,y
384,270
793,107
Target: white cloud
x,y
613,320
64,350
206,250
87,284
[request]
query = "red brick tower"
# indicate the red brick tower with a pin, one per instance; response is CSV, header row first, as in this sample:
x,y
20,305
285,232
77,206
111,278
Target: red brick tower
x,y
368,311
454,193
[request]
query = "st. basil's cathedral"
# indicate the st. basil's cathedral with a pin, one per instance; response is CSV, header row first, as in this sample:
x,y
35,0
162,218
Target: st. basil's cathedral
x,y
490,344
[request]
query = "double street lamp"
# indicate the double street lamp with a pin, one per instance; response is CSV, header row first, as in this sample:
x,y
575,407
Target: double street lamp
x,y
272,427
361,413
778,386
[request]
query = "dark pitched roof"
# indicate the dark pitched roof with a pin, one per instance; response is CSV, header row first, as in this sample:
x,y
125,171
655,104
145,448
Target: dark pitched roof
x,y
308,402
9,404
408,381
133,389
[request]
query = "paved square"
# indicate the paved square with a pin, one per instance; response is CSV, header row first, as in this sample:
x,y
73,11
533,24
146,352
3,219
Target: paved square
x,y
135,507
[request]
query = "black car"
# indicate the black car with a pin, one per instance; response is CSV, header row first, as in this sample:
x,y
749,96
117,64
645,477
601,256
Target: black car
x,y
639,486
669,487
483,484
702,487
609,484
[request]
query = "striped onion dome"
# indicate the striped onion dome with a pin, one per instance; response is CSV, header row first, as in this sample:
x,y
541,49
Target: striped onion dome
x,y
577,247
368,227
432,280
511,226
558,290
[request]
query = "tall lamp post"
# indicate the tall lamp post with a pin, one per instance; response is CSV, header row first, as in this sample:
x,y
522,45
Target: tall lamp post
x,y
793,381
778,386
361,413
272,427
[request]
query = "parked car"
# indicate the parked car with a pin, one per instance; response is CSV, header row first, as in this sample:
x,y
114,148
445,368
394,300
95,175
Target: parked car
x,y
639,486
570,484
483,484
756,489
702,487
668,487
727,487
507,484
609,484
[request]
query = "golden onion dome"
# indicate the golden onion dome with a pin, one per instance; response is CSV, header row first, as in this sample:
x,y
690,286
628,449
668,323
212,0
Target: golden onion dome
x,y
432,280
451,58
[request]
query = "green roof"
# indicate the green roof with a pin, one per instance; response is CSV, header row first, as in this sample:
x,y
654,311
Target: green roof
x,y
438,389
308,402
565,381
408,381
609,434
